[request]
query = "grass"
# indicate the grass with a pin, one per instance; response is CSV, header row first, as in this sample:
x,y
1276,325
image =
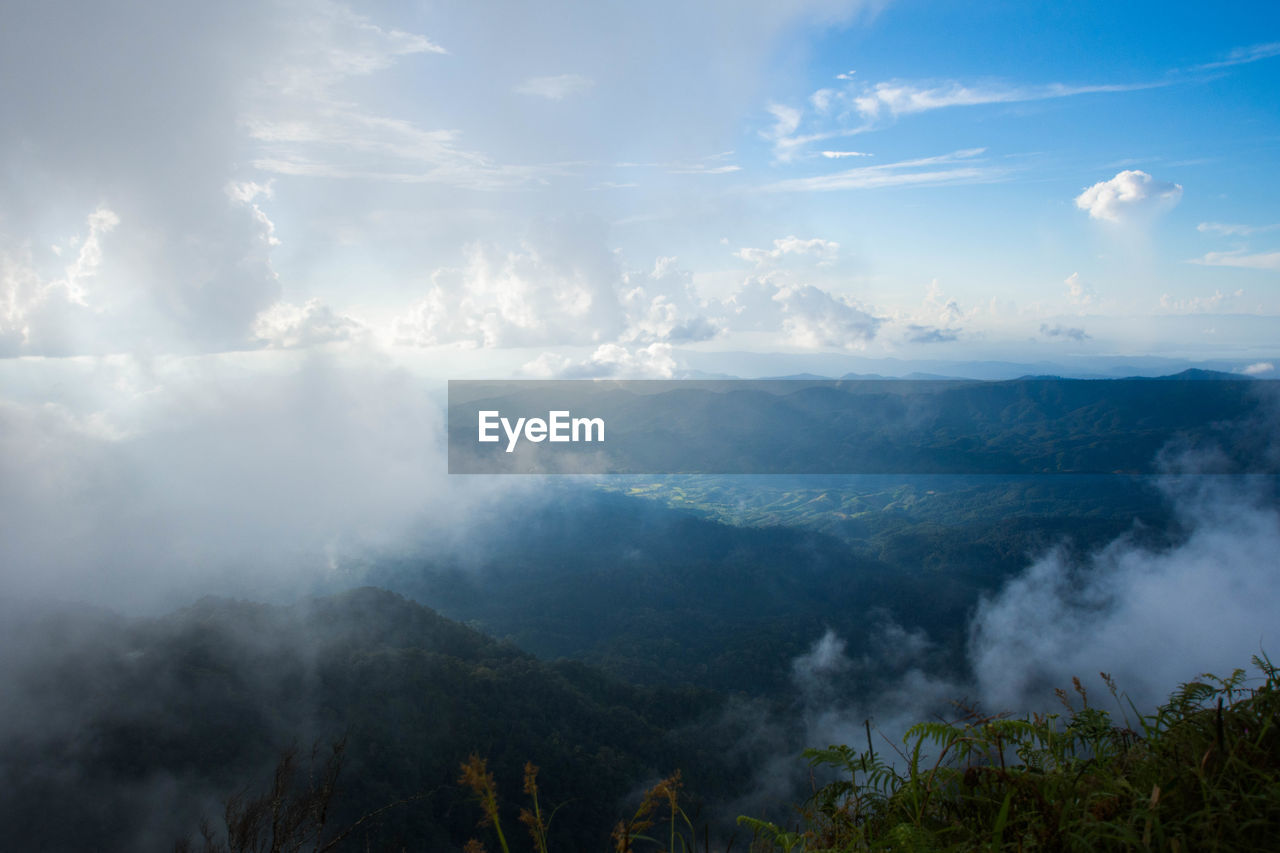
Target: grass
x,y
1200,774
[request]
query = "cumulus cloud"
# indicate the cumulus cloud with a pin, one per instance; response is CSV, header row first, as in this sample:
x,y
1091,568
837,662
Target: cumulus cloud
x,y
817,319
918,334
1130,195
1258,368
802,315
128,288
155,111
555,88
287,326
662,305
611,361
825,251
40,316
1072,333
562,287
936,320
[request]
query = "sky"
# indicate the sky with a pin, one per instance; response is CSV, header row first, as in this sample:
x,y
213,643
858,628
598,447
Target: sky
x,y
574,189
242,245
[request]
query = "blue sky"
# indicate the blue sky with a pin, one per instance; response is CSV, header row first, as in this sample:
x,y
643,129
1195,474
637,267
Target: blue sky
x,y
603,189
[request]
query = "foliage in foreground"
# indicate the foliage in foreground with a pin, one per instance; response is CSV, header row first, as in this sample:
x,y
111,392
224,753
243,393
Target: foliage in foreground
x,y
1202,773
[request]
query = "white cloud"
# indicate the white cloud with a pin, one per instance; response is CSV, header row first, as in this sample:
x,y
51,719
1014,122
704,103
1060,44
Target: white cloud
x,y
562,287
607,361
802,315
1245,55
307,125
1198,304
821,99
896,98
785,121
817,319
958,167
938,318
1079,292
286,326
338,44
1228,230
825,251
859,108
555,88
1072,333
1129,195
1258,368
662,306
54,316
713,164
836,155
567,294
1244,260
1135,612
705,170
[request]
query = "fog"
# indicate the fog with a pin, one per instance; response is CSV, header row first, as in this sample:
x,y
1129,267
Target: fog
x,y
262,475
1150,617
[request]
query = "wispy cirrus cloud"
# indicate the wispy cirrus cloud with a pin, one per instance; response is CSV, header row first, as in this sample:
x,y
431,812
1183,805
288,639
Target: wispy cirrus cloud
x,y
1229,230
958,167
1242,259
305,124
1198,304
897,98
714,164
1244,55
858,108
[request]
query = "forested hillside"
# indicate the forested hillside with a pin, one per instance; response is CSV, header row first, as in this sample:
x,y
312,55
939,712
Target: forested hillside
x,y
137,729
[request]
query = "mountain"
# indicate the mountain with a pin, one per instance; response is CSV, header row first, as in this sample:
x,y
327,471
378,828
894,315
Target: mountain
x,y
1034,425
684,581
139,727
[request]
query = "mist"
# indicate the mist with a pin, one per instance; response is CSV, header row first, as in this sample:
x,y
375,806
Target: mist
x,y
1151,617
262,475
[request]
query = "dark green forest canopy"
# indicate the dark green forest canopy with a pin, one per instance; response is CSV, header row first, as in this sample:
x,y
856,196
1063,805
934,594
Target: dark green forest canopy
x,y
146,724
